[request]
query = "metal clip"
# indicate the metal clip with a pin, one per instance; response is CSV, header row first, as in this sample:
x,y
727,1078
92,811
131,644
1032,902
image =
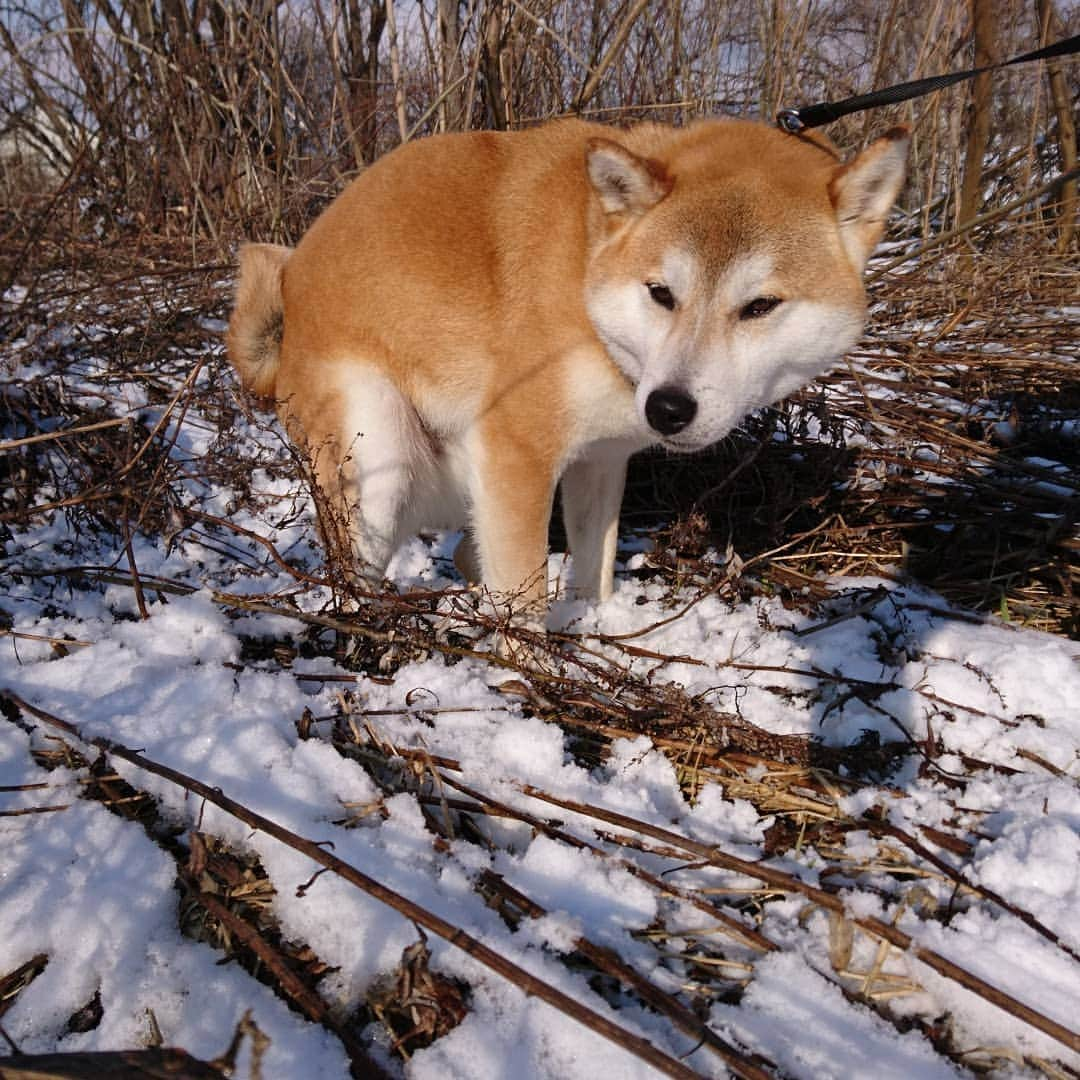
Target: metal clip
x,y
789,120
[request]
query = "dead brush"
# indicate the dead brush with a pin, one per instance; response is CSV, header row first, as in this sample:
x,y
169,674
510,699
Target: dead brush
x,y
87,466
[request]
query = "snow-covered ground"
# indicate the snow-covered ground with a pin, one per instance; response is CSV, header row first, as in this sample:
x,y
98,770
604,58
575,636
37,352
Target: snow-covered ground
x,y
991,787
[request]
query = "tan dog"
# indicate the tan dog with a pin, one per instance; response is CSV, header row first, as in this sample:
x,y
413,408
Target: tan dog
x,y
481,317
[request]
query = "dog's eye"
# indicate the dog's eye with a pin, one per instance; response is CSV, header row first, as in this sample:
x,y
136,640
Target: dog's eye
x,y
759,307
661,294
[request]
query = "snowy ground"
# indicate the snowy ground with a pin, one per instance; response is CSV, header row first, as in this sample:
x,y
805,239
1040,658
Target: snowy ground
x,y
991,790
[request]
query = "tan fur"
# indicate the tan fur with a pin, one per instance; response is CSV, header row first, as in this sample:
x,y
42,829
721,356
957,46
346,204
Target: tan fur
x,y
456,285
256,326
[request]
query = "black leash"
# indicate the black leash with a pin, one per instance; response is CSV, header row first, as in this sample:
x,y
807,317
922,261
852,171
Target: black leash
x,y
811,116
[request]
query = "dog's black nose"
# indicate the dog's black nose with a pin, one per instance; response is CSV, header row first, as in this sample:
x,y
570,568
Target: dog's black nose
x,y
669,409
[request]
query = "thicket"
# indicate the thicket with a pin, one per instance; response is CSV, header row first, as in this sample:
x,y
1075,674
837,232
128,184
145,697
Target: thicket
x,y
141,140
214,120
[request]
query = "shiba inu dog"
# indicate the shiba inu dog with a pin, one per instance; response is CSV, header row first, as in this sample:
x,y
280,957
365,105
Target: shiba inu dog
x,y
481,318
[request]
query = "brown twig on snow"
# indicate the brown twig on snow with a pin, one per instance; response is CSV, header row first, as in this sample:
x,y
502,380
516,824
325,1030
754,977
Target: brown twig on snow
x,y
93,1065
305,999
607,961
885,828
789,883
731,925
14,982
63,433
874,926
529,983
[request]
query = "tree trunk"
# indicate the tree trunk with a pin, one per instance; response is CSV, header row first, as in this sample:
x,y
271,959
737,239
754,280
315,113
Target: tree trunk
x,y
496,26
772,19
984,21
362,76
395,73
1066,127
451,111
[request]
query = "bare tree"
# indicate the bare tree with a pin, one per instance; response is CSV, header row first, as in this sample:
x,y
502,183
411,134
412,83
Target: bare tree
x,y
361,69
1066,127
497,24
451,85
244,116
984,22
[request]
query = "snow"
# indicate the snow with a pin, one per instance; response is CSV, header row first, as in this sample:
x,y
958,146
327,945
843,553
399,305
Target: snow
x,y
97,894
125,946
806,1026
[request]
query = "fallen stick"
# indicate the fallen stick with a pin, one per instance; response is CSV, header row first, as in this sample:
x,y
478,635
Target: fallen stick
x,y
747,934
611,963
790,883
302,996
93,1065
525,981
885,828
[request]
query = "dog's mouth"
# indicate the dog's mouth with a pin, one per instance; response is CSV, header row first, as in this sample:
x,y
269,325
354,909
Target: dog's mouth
x,y
683,446
698,438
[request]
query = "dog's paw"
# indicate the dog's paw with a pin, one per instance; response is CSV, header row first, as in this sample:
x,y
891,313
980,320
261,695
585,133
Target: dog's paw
x,y
525,646
526,657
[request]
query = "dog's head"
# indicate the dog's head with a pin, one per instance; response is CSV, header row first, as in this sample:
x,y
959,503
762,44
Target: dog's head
x,y
725,265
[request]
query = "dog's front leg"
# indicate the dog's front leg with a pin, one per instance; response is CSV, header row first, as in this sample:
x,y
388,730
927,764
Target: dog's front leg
x,y
513,484
592,491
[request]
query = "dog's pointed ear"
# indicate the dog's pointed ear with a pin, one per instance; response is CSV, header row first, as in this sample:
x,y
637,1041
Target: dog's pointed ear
x,y
864,190
624,182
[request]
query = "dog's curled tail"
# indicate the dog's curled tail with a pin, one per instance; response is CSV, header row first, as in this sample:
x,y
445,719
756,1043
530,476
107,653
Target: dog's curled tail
x,y
258,318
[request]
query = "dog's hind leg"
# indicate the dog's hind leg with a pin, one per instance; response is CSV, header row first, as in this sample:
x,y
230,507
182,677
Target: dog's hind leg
x,y
383,450
592,490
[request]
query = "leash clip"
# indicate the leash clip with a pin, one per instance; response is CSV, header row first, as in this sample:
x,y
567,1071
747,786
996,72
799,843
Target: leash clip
x,y
789,120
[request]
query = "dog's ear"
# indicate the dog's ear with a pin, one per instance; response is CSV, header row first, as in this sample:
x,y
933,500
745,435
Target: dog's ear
x,y
625,182
864,190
